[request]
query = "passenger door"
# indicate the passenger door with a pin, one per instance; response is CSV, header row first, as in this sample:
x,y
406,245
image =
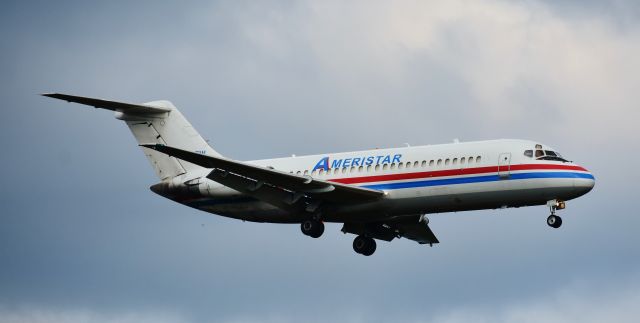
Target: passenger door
x,y
504,165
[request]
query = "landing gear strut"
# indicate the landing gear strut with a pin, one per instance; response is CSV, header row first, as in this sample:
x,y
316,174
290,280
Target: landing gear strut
x,y
312,228
553,220
364,245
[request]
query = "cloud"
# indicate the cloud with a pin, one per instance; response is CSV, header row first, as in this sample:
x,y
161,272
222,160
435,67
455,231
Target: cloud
x,y
517,64
39,315
584,302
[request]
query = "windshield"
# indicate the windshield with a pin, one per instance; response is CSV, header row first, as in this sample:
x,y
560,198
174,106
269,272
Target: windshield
x,y
545,155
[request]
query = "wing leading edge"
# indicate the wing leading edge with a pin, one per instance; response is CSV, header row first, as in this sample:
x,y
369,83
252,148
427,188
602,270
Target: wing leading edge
x,y
260,176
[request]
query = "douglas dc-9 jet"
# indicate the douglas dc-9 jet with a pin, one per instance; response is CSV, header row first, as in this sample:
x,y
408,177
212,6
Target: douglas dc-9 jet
x,y
378,194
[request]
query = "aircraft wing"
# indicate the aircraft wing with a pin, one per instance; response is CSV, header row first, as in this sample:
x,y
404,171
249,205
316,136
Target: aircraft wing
x,y
415,229
270,185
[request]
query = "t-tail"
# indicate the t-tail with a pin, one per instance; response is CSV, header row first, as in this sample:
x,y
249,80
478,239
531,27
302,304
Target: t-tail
x,y
157,122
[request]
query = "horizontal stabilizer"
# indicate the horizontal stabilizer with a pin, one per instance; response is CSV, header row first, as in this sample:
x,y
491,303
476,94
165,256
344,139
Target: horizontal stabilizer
x,y
129,108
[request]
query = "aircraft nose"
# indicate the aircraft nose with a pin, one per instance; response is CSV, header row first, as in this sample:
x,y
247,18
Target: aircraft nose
x,y
585,183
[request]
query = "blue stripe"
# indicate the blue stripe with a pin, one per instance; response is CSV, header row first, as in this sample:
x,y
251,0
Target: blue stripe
x,y
476,179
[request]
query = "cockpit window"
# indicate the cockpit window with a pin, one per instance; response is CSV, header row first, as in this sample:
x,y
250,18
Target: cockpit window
x,y
549,155
528,153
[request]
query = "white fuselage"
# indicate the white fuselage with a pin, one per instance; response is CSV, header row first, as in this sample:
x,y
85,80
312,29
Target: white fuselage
x,y
416,180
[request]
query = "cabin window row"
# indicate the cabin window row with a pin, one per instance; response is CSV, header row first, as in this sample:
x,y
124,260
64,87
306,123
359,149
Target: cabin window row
x,y
410,164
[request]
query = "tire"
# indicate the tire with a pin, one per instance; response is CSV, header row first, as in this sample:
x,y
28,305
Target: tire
x,y
371,247
364,245
312,228
554,221
360,244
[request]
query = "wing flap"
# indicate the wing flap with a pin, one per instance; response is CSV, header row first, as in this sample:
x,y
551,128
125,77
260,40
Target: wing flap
x,y
410,227
130,108
414,228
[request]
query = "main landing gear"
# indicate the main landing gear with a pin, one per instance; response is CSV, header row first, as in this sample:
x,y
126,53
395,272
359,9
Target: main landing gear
x,y
361,244
364,245
553,220
312,228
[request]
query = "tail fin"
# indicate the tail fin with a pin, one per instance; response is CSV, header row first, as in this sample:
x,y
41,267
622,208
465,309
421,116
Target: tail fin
x,y
157,122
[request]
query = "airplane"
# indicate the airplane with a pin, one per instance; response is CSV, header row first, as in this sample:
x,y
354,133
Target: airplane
x,y
379,194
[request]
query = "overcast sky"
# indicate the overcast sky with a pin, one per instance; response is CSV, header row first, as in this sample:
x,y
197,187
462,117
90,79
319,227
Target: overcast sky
x,y
82,239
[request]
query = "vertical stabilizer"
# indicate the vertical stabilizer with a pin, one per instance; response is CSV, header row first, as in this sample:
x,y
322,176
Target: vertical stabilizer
x,y
171,129
157,122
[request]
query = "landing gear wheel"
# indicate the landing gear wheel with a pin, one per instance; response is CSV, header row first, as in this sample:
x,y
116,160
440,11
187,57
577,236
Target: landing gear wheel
x,y
312,228
364,245
554,221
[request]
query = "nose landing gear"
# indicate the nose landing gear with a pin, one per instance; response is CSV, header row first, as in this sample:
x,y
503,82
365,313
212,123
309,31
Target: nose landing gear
x,y
553,220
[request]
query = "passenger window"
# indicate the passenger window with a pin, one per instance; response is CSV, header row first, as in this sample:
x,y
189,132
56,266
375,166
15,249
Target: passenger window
x,y
306,172
431,162
400,165
344,170
377,168
439,162
407,165
462,160
335,171
352,169
478,160
369,168
385,166
393,165
415,164
424,163
313,173
360,169
528,153
320,172
446,162
455,161
470,160
539,153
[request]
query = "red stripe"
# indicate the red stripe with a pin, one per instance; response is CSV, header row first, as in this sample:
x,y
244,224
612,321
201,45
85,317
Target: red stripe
x,y
451,172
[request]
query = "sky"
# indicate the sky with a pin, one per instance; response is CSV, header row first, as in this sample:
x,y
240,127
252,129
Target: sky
x,y
83,239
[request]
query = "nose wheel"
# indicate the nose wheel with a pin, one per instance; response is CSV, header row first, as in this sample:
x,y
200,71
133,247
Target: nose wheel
x,y
553,220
